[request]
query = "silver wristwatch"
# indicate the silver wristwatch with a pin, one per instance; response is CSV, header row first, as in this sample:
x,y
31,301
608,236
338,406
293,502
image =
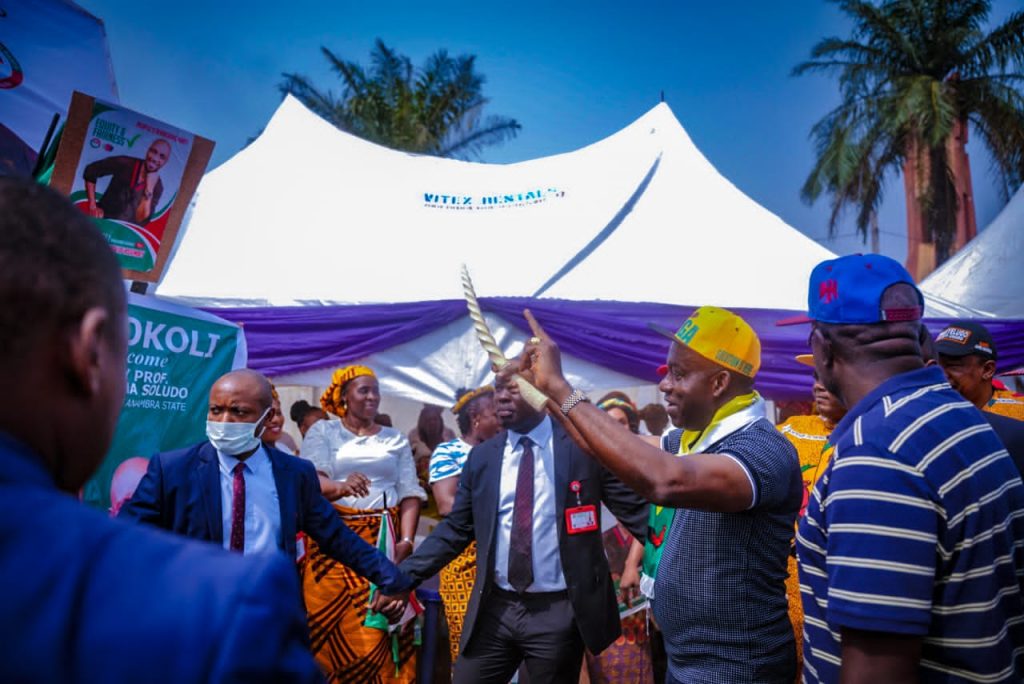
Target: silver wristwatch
x,y
570,401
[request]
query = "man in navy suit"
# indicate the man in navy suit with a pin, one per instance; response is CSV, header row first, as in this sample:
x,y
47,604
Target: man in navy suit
x,y
248,497
86,598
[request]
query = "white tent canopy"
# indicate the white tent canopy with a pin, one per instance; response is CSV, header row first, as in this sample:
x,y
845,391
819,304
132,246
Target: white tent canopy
x,y
310,215
985,274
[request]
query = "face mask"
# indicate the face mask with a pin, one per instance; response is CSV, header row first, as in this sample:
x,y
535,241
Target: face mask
x,y
235,438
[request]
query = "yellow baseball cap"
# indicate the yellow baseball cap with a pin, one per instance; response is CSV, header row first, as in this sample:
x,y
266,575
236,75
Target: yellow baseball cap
x,y
720,336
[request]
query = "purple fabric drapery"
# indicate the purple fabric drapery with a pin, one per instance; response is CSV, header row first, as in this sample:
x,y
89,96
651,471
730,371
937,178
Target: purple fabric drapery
x,y
293,339
284,340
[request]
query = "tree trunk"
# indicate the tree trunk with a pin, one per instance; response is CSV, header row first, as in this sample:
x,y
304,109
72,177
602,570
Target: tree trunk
x,y
875,242
939,205
940,202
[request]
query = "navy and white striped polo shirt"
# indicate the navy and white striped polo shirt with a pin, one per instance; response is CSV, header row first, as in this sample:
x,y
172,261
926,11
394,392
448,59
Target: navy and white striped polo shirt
x,y
917,528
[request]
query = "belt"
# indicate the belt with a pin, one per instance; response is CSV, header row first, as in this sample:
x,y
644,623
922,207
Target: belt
x,y
531,595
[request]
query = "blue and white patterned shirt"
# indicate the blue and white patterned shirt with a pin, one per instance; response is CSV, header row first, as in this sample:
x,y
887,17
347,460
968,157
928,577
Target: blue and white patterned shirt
x,y
916,528
720,589
448,460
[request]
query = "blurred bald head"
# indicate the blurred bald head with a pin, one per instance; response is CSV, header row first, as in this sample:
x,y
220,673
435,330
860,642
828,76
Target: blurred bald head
x,y
253,385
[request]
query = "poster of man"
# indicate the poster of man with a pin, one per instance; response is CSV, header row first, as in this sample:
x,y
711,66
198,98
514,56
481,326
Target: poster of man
x,y
127,178
133,174
135,185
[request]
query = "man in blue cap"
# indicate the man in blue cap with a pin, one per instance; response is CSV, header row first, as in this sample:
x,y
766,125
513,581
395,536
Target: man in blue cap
x,y
912,549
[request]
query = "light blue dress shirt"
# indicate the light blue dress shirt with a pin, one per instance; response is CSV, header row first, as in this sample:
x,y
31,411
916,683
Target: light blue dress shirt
x,y
262,507
547,561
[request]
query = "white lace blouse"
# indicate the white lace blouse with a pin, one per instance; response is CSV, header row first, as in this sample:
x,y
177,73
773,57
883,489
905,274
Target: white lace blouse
x,y
385,458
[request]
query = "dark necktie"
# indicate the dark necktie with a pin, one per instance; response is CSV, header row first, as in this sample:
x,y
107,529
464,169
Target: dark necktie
x,y
238,510
520,545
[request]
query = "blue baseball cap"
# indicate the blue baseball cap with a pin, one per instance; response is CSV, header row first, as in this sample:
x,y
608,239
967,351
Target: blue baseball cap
x,y
848,291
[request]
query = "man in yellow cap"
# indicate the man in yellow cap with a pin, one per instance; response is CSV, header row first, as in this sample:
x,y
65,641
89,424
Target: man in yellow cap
x,y
719,593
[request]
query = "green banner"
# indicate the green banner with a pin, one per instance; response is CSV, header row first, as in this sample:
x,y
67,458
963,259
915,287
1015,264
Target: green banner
x,y
174,356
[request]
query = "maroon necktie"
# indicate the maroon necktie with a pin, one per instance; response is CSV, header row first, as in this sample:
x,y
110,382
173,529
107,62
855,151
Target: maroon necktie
x,y
238,510
520,543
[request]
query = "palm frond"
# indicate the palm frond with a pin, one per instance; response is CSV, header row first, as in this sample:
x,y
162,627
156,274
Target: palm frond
x,y
495,130
322,103
436,109
910,72
1001,48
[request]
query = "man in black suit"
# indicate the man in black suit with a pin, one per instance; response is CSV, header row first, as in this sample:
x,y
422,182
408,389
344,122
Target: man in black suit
x,y
531,499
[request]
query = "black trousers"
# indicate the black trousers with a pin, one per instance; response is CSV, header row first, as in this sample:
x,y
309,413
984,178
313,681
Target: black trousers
x,y
536,629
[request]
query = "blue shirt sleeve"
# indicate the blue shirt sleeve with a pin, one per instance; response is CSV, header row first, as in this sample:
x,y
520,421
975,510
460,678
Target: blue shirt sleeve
x,y
445,462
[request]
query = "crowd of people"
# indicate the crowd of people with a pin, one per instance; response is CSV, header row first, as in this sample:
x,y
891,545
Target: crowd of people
x,y
878,539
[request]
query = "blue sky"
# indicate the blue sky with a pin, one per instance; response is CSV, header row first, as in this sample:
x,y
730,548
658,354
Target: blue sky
x,y
570,72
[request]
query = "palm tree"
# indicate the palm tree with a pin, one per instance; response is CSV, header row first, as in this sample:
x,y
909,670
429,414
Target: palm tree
x,y
913,77
436,110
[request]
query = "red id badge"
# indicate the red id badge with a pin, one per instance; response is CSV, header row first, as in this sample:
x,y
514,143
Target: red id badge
x,y
581,519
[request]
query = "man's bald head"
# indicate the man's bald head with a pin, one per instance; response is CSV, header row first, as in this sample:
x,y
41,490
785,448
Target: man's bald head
x,y
245,383
241,396
157,155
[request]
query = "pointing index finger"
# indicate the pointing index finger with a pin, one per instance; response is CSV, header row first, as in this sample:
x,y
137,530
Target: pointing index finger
x,y
534,325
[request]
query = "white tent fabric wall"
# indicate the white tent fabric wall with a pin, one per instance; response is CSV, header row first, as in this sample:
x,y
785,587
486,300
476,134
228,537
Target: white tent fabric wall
x,y
982,273
939,307
432,367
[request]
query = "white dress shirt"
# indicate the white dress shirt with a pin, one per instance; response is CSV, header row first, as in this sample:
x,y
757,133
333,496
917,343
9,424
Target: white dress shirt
x,y
262,507
547,563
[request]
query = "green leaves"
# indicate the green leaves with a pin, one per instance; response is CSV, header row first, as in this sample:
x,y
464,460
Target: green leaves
x,y
908,74
436,109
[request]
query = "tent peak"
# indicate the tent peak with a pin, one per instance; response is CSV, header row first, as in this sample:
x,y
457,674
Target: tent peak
x,y
981,274
292,114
